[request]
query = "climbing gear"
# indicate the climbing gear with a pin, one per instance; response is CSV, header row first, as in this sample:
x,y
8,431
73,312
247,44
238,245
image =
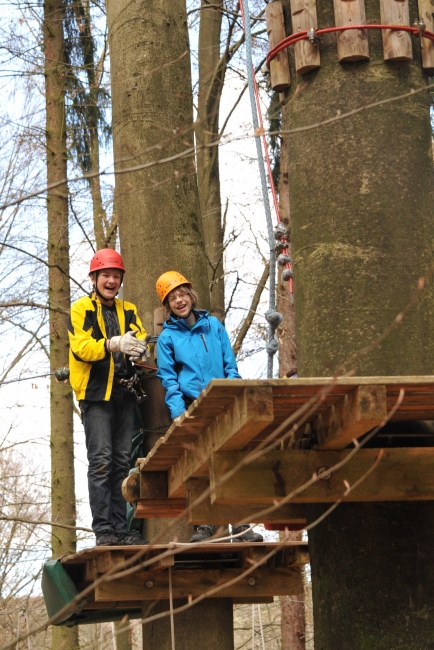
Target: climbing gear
x,y
133,386
169,281
107,538
128,344
61,374
260,131
131,539
249,536
202,533
106,258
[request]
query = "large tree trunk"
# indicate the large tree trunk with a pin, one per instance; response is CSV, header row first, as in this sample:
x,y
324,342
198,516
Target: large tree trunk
x,y
211,75
361,215
159,218
61,405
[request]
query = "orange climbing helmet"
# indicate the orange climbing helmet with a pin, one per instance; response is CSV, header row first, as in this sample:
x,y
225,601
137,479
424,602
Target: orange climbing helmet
x,y
106,258
169,281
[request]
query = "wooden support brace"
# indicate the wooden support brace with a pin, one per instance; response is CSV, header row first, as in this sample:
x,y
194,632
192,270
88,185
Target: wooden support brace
x,y
153,585
403,474
303,14
248,414
353,415
280,77
396,44
291,513
426,13
353,43
159,508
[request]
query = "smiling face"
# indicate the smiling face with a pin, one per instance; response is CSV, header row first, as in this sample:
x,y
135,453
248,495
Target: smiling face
x,y
108,282
180,302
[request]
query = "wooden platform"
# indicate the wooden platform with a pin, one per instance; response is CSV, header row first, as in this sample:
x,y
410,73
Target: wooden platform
x,y
217,568
233,417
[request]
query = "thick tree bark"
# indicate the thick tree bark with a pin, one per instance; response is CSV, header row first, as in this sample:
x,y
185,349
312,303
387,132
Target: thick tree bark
x,y
152,106
211,76
61,405
159,219
361,215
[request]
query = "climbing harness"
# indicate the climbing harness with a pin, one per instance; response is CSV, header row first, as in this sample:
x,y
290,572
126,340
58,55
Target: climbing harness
x,y
279,233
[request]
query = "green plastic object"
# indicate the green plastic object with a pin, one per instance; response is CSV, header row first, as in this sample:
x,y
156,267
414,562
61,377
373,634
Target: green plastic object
x,y
58,590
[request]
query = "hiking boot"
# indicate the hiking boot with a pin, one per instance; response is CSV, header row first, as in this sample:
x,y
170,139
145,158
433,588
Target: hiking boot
x,y
250,536
130,539
106,538
202,533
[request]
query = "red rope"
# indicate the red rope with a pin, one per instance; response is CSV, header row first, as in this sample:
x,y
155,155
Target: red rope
x,y
303,35
267,156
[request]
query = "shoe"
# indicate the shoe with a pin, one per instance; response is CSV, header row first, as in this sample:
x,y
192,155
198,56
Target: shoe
x,y
250,536
202,532
129,539
106,538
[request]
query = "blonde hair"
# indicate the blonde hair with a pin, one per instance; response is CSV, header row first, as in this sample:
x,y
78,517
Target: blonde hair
x,y
191,292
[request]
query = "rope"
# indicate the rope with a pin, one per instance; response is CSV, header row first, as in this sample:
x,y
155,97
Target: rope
x,y
312,34
272,345
253,627
260,627
172,622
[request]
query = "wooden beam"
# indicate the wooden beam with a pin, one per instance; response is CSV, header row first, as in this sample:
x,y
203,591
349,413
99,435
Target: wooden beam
x,y
353,43
158,508
152,585
131,487
427,46
396,44
403,474
350,417
291,513
249,413
280,77
303,14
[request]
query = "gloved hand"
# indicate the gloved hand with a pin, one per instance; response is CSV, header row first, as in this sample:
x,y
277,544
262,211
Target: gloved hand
x,y
145,354
128,344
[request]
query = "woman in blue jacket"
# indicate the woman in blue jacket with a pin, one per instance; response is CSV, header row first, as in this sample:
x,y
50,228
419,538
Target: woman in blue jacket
x,y
192,349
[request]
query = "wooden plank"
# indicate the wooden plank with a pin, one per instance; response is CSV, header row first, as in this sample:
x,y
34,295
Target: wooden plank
x,y
396,44
159,508
131,487
249,413
150,585
109,560
360,410
353,43
264,600
280,78
153,485
403,474
291,513
303,14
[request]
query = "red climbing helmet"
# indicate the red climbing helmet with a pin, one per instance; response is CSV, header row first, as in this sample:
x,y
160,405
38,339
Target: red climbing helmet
x,y
106,258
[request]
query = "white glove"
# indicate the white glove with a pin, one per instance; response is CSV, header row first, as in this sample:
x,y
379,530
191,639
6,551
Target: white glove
x,y
128,344
145,354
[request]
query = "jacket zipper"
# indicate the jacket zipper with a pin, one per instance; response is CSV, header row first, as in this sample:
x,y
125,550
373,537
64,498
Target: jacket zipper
x,y
204,341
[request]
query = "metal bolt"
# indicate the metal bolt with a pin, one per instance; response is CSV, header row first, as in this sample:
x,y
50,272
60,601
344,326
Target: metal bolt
x,y
149,584
251,581
324,473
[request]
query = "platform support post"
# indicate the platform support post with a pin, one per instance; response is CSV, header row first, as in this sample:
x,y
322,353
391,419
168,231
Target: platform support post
x,y
372,564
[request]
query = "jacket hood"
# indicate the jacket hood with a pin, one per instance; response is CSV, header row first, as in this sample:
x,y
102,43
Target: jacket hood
x,y
180,323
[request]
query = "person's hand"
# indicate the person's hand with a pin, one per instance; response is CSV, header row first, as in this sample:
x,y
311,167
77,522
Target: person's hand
x,y
142,358
128,344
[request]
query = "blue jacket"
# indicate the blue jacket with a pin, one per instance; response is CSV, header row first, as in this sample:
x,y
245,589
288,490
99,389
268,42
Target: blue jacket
x,y
188,358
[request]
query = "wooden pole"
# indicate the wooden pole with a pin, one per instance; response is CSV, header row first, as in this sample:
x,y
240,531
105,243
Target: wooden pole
x,y
303,14
352,44
280,77
396,45
426,14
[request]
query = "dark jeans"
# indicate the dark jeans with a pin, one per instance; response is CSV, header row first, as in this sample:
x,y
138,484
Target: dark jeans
x,y
109,431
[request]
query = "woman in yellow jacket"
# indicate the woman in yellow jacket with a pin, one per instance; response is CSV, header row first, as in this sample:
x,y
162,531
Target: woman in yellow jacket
x,y
105,336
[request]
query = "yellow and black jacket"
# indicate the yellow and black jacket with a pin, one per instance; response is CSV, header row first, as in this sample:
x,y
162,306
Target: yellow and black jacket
x,y
91,366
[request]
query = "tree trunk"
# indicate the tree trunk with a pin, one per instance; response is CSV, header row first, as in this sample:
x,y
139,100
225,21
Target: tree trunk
x,y
211,77
152,106
61,405
361,215
292,613
159,218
